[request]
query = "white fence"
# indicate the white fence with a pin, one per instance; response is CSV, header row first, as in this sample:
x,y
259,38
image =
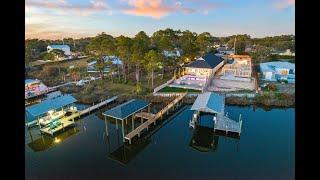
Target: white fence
x,y
171,94
249,95
162,85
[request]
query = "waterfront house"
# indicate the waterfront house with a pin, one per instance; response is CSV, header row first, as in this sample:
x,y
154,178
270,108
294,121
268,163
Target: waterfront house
x,y
203,67
237,66
278,70
64,48
34,87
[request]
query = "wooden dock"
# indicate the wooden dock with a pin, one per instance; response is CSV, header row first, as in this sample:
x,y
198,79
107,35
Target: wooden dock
x,y
94,107
146,124
223,123
69,120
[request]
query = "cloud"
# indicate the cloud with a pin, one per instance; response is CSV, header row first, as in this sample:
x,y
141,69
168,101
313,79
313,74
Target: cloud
x,y
283,4
66,7
154,8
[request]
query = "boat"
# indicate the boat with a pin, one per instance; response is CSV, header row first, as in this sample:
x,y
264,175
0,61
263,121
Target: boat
x,y
54,115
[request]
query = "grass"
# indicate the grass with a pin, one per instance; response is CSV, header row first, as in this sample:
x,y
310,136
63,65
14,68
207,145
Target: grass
x,y
174,89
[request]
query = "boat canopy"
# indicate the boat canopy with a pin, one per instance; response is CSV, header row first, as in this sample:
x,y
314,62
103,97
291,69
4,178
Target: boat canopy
x,y
209,102
49,104
126,109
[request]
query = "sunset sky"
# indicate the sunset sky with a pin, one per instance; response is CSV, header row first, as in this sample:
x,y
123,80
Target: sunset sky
x,y
55,19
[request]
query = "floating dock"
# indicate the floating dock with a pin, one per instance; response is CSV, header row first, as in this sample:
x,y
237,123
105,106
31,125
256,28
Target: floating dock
x,y
153,118
65,122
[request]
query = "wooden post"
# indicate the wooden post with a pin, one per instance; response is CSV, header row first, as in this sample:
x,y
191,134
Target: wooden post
x,y
141,120
148,108
117,124
106,122
132,122
123,131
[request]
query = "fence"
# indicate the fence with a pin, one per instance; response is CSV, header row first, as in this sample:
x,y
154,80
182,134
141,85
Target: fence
x,y
249,95
163,85
171,94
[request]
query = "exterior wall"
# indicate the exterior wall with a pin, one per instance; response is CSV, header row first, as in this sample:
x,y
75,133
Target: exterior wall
x,y
197,71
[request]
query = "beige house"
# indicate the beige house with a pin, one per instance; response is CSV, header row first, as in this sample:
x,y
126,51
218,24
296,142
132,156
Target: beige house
x,y
238,66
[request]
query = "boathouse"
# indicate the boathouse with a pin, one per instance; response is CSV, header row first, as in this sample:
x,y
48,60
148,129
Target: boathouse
x,y
34,112
214,103
123,111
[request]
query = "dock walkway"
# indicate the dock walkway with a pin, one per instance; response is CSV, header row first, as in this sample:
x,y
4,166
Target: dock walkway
x,y
223,123
146,124
89,109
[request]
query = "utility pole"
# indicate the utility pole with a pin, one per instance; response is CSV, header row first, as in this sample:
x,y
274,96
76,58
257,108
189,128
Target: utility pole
x,y
234,46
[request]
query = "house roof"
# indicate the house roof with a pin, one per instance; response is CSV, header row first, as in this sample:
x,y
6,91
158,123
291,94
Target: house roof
x,y
59,46
27,81
53,103
270,66
126,109
208,61
209,102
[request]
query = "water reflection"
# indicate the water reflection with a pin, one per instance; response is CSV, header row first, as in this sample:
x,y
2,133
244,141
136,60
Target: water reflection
x,y
126,152
204,139
45,142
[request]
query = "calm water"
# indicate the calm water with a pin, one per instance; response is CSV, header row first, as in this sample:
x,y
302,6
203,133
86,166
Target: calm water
x,y
264,151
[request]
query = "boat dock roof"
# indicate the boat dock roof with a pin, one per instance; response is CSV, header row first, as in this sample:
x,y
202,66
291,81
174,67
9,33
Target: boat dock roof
x,y
126,109
49,104
209,102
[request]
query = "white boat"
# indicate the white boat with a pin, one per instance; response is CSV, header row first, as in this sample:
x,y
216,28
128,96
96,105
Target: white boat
x,y
52,114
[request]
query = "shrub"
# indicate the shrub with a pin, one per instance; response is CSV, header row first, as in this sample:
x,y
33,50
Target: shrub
x,y
271,87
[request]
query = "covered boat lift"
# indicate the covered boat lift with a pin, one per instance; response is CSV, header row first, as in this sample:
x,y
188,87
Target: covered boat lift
x,y
38,110
123,111
214,103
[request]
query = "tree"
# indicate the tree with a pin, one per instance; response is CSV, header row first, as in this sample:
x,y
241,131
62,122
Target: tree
x,y
101,45
152,58
188,45
141,43
203,41
241,42
123,46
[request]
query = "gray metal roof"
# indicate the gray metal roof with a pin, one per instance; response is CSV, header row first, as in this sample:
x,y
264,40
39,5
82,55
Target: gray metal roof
x,y
209,61
53,103
126,109
209,102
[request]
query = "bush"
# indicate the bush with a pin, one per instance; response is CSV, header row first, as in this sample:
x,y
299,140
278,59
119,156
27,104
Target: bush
x,y
271,87
49,71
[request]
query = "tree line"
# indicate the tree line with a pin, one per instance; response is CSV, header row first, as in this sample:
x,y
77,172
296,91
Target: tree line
x,y
144,52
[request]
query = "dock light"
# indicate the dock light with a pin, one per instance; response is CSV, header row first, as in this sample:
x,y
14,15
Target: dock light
x,y
57,140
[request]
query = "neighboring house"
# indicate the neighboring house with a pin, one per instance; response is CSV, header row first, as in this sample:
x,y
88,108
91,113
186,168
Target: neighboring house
x,y
238,66
225,50
287,53
204,66
64,48
174,53
278,70
34,87
91,68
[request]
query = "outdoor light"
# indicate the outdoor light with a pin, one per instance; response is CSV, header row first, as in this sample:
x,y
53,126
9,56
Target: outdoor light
x,y
57,140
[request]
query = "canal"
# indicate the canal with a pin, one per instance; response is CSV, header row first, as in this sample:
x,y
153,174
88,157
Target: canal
x,y
265,149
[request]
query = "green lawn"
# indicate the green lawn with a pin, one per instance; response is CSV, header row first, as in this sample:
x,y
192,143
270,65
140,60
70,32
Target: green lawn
x,y
174,89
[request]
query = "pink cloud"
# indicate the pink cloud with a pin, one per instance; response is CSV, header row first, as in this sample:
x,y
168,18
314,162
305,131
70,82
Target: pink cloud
x,y
283,4
154,8
65,6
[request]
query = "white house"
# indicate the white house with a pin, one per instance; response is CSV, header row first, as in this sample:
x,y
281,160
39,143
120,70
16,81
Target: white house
x,y
64,48
288,53
174,53
114,59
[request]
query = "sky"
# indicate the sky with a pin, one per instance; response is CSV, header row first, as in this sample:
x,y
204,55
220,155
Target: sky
x,y
57,19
